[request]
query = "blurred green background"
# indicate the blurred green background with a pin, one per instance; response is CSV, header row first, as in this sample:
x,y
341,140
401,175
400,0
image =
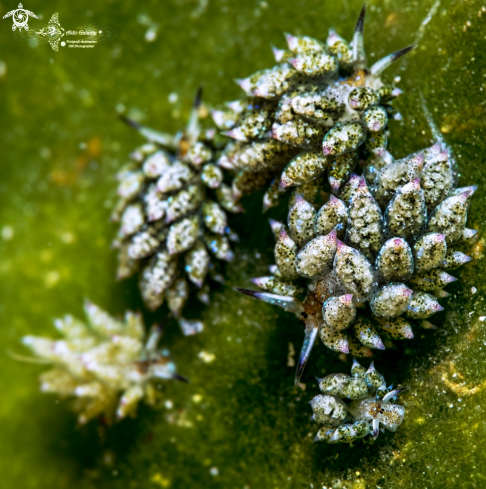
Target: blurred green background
x,y
240,423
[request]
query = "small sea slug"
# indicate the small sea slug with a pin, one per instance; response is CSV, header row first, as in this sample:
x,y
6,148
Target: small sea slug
x,y
107,365
374,259
310,118
370,411
173,217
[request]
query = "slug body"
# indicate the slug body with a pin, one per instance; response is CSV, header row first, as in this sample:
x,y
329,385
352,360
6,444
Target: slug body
x,y
107,365
394,256
370,411
173,217
309,119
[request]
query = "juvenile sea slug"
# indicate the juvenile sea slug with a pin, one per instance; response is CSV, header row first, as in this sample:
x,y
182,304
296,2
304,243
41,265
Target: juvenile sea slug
x,y
107,365
173,217
370,411
372,262
309,118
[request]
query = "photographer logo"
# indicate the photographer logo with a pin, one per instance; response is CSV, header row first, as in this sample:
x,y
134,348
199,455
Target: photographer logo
x,y
86,36
20,17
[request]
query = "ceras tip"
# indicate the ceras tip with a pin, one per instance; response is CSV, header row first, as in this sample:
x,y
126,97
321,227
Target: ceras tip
x,y
419,158
28,340
408,334
347,300
472,189
273,269
236,193
469,234
333,199
406,292
234,134
449,278
292,41
385,155
251,293
335,183
340,246
276,226
360,22
436,148
258,93
130,122
235,106
285,183
332,37
359,55
343,346
197,282
274,131
375,126
378,343
465,195
198,98
258,281
299,200
225,162
398,243
278,54
283,236
444,155
394,393
294,62
415,184
362,184
180,378
244,84
385,62
371,368
335,436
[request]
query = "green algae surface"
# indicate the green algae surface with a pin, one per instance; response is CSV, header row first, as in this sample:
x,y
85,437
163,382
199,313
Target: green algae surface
x,y
240,423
